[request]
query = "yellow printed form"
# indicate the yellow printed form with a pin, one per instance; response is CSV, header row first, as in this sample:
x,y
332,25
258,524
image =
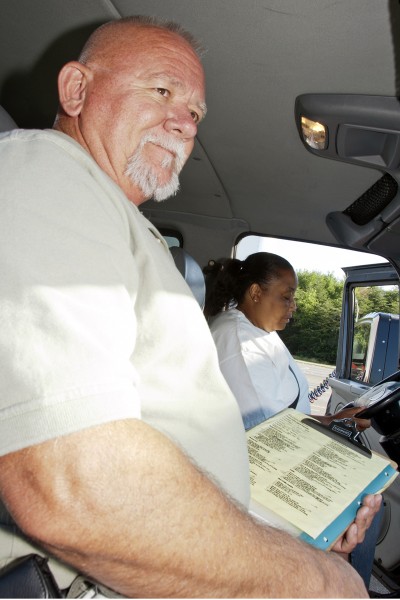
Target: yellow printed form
x,y
305,476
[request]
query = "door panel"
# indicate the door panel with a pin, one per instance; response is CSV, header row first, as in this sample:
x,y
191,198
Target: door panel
x,y
368,351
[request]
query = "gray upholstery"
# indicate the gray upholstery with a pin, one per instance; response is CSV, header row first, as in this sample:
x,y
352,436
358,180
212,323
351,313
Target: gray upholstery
x,y
6,122
192,273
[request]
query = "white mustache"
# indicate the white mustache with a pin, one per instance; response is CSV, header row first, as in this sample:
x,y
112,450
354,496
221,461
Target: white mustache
x,y
176,147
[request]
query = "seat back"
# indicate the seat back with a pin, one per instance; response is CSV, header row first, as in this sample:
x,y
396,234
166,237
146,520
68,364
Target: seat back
x,y
6,122
191,272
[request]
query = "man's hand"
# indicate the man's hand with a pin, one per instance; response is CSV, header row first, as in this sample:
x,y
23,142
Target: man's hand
x,y
356,532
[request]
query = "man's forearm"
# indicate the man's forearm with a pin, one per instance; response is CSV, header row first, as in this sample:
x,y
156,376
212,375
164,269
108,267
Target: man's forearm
x,y
145,522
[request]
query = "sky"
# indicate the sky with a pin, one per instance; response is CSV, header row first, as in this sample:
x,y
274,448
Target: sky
x,y
310,257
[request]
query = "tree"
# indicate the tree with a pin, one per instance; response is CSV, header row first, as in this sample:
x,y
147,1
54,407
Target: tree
x,y
377,299
314,330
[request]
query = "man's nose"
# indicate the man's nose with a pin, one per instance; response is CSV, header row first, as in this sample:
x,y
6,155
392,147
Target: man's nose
x,y
181,124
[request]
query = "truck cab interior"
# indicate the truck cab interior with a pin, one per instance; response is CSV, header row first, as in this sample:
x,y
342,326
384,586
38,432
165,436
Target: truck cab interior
x,y
301,139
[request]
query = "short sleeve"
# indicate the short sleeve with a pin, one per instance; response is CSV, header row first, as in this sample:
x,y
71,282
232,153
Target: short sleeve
x,y
67,286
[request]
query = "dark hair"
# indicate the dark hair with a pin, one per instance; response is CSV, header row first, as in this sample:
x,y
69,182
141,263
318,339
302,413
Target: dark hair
x,y
228,279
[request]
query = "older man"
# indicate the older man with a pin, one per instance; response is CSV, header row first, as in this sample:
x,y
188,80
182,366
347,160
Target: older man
x,y
123,451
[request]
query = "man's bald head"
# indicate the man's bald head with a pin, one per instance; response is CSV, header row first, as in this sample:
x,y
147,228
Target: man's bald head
x,y
105,40
134,100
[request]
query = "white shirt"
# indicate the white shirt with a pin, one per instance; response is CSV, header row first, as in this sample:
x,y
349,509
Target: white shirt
x,y
258,367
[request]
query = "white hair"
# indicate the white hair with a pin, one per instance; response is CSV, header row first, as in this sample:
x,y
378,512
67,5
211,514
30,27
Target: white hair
x,y
145,175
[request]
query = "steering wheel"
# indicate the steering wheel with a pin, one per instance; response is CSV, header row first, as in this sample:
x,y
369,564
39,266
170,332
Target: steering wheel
x,y
382,405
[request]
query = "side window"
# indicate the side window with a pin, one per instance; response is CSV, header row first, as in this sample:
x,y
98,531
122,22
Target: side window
x,y
375,343
359,351
359,332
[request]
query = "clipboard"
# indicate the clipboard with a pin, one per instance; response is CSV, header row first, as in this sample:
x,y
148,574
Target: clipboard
x,y
340,432
316,518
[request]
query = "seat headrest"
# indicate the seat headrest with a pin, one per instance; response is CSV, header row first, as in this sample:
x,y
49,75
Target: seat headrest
x,y
6,122
191,272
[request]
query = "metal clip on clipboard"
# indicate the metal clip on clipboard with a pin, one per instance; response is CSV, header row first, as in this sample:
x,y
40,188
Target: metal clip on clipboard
x,y
343,431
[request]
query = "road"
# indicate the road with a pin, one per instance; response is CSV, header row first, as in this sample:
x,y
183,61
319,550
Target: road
x,y
315,374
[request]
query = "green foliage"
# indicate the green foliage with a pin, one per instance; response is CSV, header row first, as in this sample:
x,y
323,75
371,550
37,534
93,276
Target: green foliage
x,y
377,299
314,330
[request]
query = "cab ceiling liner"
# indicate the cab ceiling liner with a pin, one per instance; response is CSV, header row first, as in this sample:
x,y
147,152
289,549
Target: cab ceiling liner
x,y
362,130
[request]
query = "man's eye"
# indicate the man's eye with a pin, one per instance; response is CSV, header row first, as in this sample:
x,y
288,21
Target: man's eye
x,y
162,91
195,116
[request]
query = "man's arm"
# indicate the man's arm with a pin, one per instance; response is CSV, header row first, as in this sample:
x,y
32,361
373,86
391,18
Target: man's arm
x,y
122,503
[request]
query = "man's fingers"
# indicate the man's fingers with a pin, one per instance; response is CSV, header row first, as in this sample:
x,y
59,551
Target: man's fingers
x,y
355,533
348,541
370,506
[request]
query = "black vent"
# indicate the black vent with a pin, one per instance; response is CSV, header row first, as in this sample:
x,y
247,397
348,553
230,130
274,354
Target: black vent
x,y
373,201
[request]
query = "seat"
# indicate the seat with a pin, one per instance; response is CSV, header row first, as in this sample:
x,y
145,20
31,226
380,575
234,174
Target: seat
x,y
191,272
6,121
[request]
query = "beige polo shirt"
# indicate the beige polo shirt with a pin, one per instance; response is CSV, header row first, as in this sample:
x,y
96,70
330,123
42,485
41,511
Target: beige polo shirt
x,y
97,324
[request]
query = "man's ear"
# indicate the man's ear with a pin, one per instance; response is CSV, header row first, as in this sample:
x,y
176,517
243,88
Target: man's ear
x,y
73,82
